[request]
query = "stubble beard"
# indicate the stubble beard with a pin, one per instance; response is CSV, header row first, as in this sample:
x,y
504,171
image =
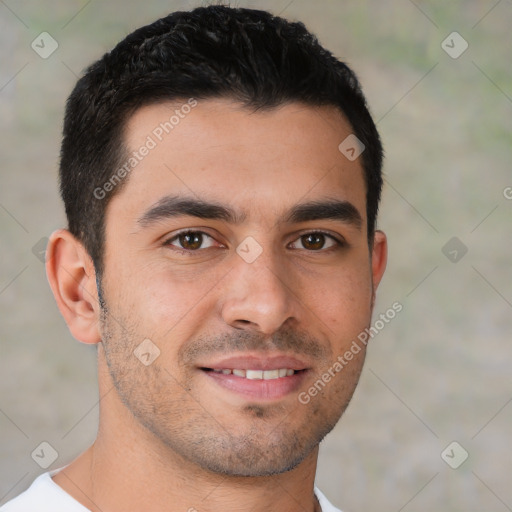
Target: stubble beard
x,y
260,441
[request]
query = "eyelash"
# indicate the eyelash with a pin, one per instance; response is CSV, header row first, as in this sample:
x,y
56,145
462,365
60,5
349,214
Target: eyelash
x,y
339,244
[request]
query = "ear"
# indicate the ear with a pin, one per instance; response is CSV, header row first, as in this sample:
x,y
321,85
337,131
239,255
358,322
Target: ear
x,y
379,260
72,279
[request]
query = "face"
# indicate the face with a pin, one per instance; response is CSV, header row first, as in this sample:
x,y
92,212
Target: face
x,y
237,268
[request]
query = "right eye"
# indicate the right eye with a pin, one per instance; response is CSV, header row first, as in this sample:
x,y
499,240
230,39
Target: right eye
x,y
189,241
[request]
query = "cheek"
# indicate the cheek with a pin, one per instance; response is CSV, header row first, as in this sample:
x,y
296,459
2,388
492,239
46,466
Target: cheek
x,y
343,301
169,303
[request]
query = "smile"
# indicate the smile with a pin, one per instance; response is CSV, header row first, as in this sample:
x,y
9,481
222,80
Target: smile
x,y
260,385
255,374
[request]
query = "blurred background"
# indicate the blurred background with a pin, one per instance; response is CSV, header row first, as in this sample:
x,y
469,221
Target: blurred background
x,y
437,76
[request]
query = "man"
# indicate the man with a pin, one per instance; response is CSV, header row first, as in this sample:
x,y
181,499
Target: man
x,y
221,176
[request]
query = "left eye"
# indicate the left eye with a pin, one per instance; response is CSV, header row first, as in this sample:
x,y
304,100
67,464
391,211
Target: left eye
x,y
316,240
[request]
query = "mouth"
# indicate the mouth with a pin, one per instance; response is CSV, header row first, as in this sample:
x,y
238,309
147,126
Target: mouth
x,y
261,378
255,374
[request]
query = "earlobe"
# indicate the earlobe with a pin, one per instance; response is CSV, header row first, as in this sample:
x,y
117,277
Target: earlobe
x,y
72,278
379,259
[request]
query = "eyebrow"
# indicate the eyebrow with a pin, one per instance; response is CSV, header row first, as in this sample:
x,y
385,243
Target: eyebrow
x,y
177,206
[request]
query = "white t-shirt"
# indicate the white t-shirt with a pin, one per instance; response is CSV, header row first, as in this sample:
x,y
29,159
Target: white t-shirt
x,y
44,495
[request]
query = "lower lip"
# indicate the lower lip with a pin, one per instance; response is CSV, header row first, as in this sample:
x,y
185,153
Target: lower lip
x,y
261,389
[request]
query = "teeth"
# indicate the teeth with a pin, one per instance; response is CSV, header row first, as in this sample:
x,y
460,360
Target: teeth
x,y
270,374
254,374
257,374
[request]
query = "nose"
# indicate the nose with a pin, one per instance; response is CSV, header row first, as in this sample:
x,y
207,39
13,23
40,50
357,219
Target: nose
x,y
259,296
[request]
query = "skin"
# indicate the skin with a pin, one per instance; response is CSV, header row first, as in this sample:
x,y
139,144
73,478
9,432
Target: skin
x,y
168,433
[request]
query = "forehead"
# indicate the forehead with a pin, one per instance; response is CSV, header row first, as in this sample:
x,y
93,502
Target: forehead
x,y
261,161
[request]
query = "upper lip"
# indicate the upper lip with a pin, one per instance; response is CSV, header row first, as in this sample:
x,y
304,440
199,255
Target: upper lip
x,y
257,362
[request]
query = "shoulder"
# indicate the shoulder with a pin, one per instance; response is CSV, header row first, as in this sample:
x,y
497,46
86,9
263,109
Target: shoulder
x,y
325,504
44,495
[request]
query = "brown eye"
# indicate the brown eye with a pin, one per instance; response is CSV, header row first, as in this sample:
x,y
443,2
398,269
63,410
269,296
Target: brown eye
x,y
316,241
191,241
313,241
